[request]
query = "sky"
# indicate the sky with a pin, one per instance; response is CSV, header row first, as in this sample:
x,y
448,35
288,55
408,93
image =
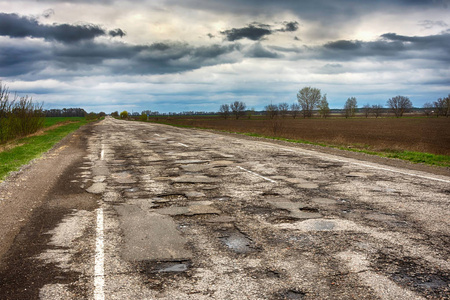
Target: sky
x,y
194,55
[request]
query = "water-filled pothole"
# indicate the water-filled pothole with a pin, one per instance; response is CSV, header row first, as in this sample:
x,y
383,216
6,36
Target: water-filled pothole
x,y
164,267
237,242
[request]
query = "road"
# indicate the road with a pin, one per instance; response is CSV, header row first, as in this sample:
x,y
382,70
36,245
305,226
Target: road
x,y
148,211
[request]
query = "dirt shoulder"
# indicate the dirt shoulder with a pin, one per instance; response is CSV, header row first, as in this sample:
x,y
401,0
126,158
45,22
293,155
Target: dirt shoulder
x,y
398,163
26,190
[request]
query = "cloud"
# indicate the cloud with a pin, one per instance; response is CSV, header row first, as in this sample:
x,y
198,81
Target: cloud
x,y
107,58
258,51
117,32
257,31
427,24
343,45
433,47
289,27
16,26
48,13
254,32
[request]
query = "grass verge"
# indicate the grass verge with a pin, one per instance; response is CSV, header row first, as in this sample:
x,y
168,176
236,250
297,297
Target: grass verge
x,y
414,157
33,147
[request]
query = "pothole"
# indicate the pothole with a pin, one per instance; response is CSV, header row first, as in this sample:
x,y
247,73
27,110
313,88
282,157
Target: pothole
x,y
237,242
291,294
164,267
170,197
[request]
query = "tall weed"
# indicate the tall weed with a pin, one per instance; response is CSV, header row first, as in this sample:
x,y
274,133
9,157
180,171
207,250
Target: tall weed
x,y
18,116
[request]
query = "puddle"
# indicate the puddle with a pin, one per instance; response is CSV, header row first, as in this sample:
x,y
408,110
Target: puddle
x,y
223,198
167,267
237,242
320,225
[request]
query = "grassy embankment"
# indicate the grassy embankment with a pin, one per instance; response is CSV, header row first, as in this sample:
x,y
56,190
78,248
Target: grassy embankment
x,y
21,151
414,139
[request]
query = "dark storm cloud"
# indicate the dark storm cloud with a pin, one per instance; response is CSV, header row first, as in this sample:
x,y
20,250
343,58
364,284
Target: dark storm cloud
x,y
117,32
257,31
391,44
254,32
343,45
112,58
16,26
289,27
441,41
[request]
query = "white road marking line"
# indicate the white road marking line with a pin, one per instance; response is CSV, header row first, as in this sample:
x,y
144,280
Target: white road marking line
x,y
256,174
184,145
99,270
331,157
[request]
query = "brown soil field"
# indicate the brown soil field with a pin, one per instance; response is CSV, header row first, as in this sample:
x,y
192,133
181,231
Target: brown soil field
x,y
421,134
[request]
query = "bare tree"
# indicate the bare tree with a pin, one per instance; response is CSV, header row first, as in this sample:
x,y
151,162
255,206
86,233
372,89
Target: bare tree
x,y
377,110
308,98
367,109
271,111
238,108
428,108
283,109
350,107
224,111
295,110
442,106
324,109
399,105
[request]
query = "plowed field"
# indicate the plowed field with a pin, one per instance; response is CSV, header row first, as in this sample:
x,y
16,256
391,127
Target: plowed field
x,y
431,135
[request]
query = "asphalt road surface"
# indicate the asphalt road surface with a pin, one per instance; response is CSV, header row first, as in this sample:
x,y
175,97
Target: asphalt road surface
x,y
130,210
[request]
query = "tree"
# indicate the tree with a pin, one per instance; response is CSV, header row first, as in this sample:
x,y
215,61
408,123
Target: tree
x,y
377,110
295,110
238,108
428,108
271,110
399,105
367,109
350,107
250,112
224,111
324,109
308,98
143,116
442,106
115,114
124,115
283,109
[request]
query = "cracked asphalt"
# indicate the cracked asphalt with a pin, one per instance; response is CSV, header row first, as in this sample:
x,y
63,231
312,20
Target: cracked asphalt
x,y
148,211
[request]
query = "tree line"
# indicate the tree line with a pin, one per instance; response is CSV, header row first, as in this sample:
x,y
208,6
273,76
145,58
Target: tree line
x,y
310,101
65,112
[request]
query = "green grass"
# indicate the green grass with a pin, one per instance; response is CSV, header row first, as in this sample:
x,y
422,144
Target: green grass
x,y
50,121
33,147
